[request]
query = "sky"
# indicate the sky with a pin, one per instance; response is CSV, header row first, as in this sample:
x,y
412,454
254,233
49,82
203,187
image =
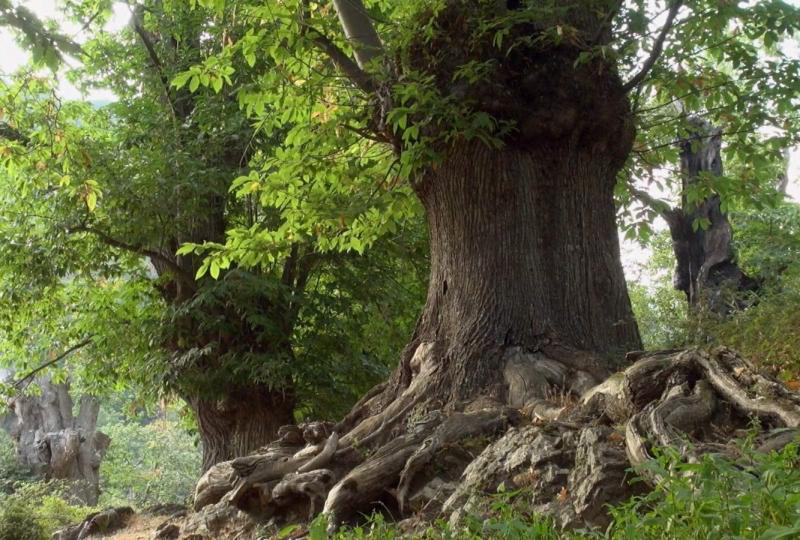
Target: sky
x,y
12,57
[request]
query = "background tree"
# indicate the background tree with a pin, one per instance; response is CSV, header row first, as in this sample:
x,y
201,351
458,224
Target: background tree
x,y
702,238
111,193
56,444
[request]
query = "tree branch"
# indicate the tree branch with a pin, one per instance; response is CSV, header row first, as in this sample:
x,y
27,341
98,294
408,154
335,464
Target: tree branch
x,y
658,47
671,215
347,66
176,269
154,59
358,28
31,374
24,20
12,134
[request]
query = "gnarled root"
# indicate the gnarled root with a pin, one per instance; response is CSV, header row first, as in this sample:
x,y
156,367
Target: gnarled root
x,y
553,432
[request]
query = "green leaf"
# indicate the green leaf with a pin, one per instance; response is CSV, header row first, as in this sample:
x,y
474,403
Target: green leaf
x,y
181,79
289,529
91,200
202,270
185,249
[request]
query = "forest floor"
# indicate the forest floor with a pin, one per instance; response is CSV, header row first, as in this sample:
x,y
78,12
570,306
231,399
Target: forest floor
x,y
141,527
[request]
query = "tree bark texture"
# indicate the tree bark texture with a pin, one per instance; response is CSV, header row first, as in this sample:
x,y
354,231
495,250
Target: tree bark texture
x,y
55,444
240,421
706,269
524,253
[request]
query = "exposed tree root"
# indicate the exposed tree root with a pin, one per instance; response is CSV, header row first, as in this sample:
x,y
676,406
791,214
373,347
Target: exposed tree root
x,y
554,432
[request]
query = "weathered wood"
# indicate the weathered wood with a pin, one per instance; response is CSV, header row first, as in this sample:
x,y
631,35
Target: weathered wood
x,y
453,429
433,461
313,485
57,445
98,523
706,269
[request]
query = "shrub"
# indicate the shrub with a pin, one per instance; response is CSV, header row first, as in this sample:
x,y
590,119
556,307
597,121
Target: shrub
x,y
11,472
37,509
767,331
17,522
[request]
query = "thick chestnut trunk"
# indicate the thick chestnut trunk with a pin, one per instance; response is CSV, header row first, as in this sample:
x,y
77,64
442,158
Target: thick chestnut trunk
x,y
243,420
524,253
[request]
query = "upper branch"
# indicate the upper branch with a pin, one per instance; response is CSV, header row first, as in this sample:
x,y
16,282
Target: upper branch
x,y
176,269
671,215
360,31
31,374
24,20
658,47
12,134
154,59
346,64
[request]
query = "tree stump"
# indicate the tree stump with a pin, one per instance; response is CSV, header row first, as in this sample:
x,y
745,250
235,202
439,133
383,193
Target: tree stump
x,y
56,444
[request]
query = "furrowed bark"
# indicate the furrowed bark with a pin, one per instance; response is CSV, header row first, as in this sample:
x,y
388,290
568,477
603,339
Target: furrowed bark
x,y
240,422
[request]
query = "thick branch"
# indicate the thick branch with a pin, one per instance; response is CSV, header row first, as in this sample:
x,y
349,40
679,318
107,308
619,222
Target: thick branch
x,y
359,30
36,32
663,208
179,272
658,47
349,68
154,59
12,134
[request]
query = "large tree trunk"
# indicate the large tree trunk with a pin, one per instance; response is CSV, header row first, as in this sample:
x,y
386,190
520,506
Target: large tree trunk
x,y
241,421
527,310
527,297
524,253
57,445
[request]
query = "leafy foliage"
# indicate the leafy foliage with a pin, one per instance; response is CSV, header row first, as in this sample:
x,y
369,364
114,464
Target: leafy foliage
x,y
11,472
767,247
148,463
758,496
660,310
37,509
99,199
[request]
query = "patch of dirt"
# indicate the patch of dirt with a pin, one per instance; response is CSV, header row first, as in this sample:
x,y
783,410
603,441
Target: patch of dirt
x,y
140,527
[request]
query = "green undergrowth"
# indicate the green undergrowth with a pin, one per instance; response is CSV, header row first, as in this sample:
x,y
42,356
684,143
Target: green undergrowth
x,y
37,509
756,496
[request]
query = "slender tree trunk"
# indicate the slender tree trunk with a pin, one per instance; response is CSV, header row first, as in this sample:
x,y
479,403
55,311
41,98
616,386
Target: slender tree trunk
x,y
706,269
57,445
241,421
